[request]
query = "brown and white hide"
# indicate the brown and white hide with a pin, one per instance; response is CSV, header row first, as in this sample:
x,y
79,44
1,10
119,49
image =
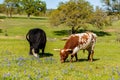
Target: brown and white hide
x,y
76,42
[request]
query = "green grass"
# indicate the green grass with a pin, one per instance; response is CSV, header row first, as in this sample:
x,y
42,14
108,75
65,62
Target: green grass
x,y
16,64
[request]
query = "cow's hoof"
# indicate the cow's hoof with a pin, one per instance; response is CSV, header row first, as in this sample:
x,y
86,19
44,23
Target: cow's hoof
x,y
90,60
77,60
62,61
71,60
43,55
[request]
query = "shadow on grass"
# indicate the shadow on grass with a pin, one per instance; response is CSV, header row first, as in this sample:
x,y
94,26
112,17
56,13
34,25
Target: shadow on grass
x,y
101,33
45,55
82,60
1,31
40,18
62,32
36,18
67,32
2,17
98,33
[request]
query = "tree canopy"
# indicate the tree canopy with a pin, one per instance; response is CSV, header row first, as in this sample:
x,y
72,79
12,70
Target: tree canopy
x,y
112,5
74,13
77,14
28,6
33,6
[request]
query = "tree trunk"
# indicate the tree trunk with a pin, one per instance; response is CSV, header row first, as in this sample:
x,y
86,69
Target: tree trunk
x,y
28,15
73,30
7,13
10,12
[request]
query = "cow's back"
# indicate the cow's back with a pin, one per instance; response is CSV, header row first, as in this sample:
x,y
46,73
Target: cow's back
x,y
82,40
36,34
72,42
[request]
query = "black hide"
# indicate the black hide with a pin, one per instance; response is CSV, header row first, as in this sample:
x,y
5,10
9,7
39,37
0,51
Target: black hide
x,y
37,40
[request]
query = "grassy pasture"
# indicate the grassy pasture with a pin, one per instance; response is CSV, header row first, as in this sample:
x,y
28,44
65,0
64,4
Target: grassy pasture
x,y
16,64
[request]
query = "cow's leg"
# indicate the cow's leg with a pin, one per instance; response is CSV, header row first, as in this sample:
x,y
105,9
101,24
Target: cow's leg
x,y
43,48
42,51
90,55
91,52
71,58
76,57
74,53
35,49
30,51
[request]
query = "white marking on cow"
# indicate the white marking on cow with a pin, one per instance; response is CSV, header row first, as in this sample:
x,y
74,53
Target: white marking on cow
x,y
35,54
76,49
85,43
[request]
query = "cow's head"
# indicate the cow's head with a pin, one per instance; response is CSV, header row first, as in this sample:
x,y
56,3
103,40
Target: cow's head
x,y
64,54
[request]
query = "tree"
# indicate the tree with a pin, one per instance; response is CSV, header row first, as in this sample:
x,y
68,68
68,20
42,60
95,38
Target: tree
x,y
32,6
2,8
40,8
9,7
74,13
99,18
79,14
29,6
19,7
112,5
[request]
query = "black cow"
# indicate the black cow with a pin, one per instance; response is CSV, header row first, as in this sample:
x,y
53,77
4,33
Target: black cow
x,y
37,40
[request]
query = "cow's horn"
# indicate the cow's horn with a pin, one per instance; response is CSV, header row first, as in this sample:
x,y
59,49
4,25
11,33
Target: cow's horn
x,y
35,54
68,50
56,49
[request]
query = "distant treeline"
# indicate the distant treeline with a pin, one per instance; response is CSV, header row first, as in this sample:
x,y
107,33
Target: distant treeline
x,y
74,13
29,7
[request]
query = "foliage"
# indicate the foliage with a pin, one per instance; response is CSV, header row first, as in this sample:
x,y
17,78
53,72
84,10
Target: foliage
x,y
73,13
2,8
78,14
29,6
100,18
10,5
112,5
34,6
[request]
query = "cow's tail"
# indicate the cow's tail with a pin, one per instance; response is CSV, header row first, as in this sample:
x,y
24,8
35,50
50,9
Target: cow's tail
x,y
94,36
27,36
